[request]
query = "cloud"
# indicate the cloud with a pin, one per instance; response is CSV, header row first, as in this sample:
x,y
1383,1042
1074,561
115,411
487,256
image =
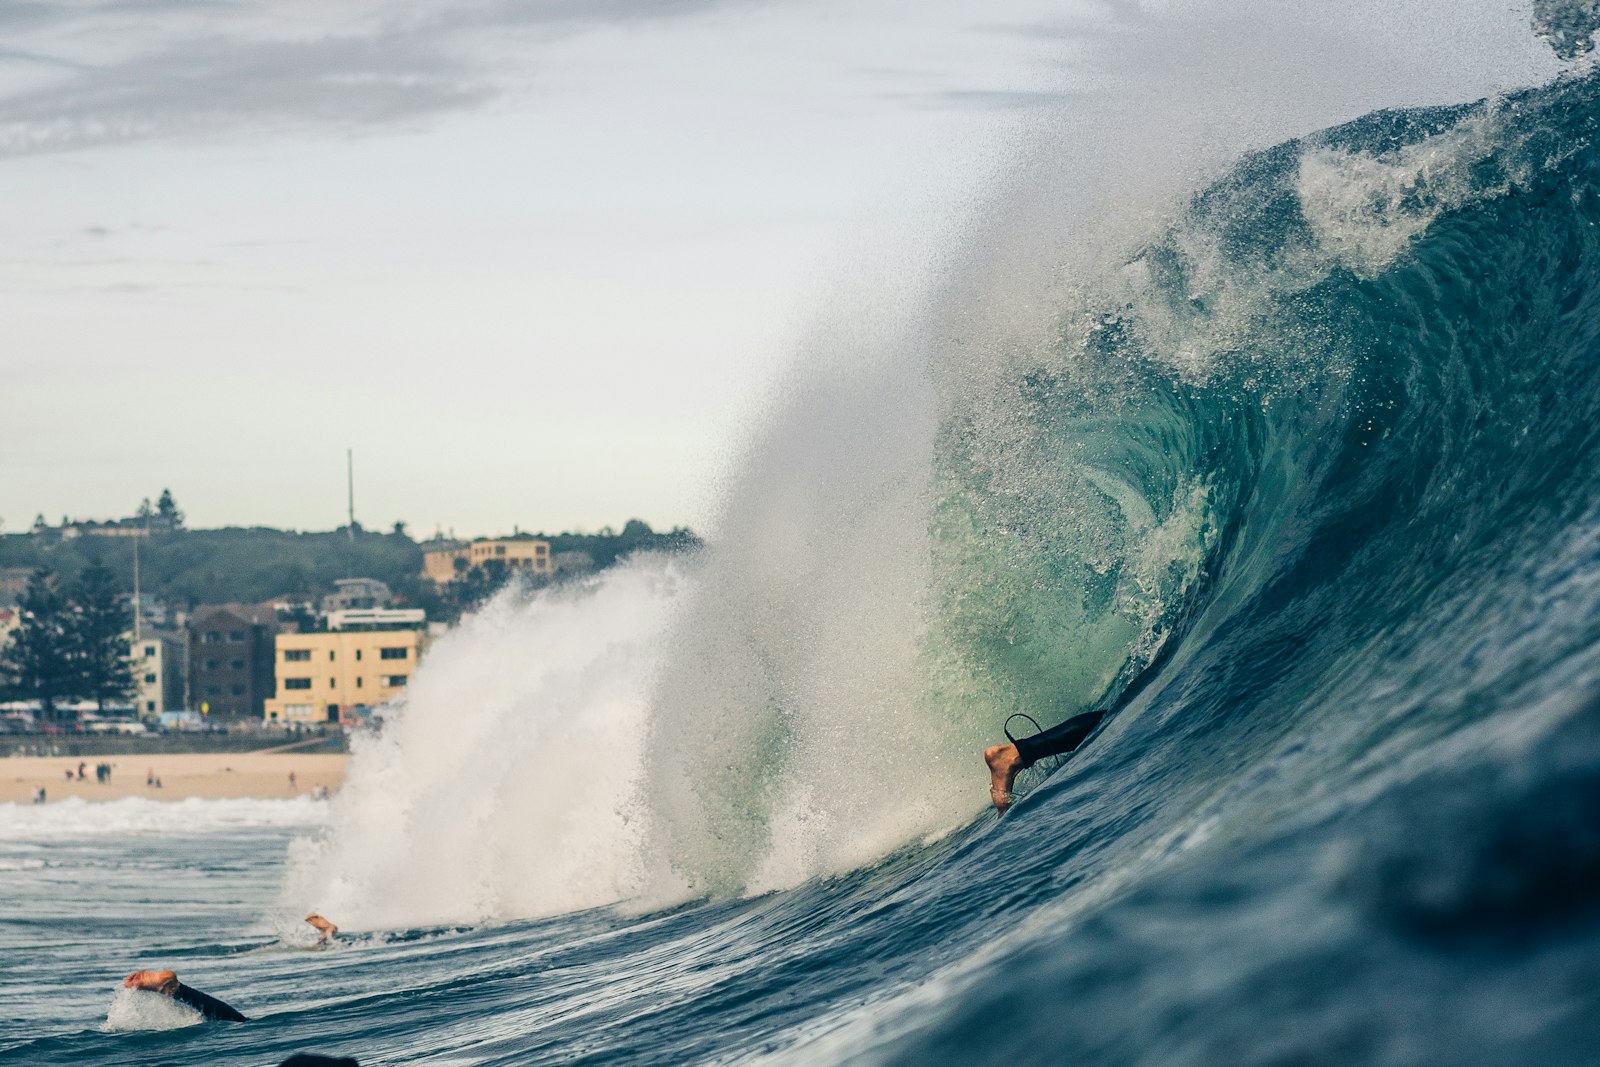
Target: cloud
x,y
1091,22
981,99
83,73
204,86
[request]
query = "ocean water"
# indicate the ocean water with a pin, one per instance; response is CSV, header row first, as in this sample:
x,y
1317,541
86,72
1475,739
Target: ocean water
x,y
1286,452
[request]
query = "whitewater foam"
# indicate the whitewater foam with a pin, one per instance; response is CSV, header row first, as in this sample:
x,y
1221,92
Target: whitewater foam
x,y
137,1009
137,816
505,784
1365,208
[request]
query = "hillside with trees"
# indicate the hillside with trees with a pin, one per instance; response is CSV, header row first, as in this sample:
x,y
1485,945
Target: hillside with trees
x,y
184,567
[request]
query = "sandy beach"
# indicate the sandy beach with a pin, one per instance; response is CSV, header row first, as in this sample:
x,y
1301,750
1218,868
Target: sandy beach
x,y
211,775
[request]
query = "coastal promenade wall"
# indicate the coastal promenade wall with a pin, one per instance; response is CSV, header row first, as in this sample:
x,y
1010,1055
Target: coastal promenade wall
x,y
102,745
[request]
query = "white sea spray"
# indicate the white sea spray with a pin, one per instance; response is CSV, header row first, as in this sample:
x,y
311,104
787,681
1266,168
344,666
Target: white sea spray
x,y
137,1009
505,785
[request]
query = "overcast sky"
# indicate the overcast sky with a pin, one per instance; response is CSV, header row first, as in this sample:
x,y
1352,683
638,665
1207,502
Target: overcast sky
x,y
538,262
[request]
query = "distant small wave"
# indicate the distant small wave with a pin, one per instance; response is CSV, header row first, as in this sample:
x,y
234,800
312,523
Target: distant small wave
x,y
75,817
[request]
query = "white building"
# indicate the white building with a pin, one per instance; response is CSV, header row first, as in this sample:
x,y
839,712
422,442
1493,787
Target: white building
x,y
152,612
159,666
363,594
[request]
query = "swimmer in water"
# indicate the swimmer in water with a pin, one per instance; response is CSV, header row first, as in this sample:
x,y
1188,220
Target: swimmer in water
x,y
166,983
325,929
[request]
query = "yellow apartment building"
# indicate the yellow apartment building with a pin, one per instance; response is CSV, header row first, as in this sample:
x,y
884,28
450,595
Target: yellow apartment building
x,y
516,553
341,675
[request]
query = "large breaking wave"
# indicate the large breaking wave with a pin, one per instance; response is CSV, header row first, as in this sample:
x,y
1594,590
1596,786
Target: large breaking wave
x,y
1309,450
1280,442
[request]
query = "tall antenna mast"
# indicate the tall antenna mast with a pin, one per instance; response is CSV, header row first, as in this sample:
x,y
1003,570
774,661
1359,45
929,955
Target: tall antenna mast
x,y
350,482
137,604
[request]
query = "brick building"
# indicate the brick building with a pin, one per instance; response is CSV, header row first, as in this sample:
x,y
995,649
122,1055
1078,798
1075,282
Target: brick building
x,y
231,660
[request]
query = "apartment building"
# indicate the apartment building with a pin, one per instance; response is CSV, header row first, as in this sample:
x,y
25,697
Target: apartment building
x,y
231,660
529,554
159,670
364,659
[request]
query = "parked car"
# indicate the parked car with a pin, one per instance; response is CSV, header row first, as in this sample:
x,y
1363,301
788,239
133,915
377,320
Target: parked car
x,y
110,726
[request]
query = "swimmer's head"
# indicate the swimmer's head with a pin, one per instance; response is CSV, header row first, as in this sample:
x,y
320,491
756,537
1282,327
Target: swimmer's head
x,y
164,982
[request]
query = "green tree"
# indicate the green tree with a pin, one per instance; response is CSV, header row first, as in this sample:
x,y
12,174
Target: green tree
x,y
97,634
167,510
474,585
39,657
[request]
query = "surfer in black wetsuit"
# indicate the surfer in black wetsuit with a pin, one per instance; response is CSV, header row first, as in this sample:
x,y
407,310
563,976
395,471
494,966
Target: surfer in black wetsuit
x,y
166,983
1005,761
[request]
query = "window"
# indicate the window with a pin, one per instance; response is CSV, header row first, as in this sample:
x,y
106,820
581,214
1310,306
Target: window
x,y
213,664
297,655
149,705
238,690
333,683
211,637
237,664
394,681
358,682
149,679
499,550
330,655
149,650
297,683
394,653
358,655
236,637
